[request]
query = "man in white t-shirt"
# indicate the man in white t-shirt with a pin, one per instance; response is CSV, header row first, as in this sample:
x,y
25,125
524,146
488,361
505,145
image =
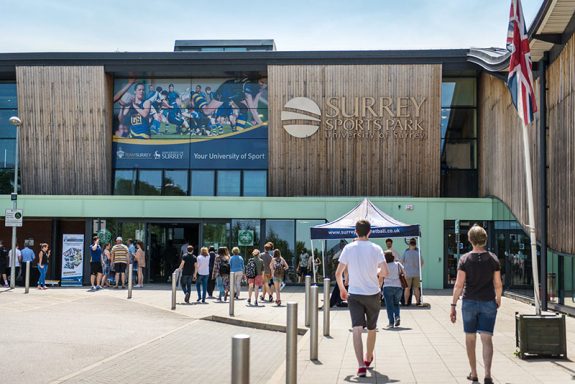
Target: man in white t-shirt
x,y
366,268
389,245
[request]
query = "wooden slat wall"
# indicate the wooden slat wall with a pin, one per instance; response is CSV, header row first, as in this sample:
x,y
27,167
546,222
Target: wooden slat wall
x,y
65,143
501,156
561,150
319,166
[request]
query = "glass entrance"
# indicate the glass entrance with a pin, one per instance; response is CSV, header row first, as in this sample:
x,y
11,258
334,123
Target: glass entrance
x,y
165,242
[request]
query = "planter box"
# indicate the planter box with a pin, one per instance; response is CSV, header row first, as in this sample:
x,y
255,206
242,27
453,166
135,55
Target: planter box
x,y
540,335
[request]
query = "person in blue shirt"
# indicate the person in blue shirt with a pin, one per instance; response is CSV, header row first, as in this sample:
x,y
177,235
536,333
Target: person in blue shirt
x,y
172,95
95,264
237,268
133,261
27,255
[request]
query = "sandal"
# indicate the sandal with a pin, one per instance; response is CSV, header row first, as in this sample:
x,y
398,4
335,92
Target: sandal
x,y
278,302
473,379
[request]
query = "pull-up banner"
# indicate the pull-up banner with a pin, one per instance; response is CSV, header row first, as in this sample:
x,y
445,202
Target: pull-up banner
x,y
72,260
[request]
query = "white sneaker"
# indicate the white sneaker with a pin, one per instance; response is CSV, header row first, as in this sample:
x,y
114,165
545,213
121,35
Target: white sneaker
x,y
282,285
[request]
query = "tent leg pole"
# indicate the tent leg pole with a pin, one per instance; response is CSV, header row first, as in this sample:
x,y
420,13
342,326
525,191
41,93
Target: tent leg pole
x,y
420,268
312,262
323,257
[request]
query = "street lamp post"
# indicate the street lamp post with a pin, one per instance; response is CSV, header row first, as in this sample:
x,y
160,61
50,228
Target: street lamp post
x,y
15,121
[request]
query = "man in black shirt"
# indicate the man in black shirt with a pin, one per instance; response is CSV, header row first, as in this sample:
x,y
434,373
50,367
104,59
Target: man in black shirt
x,y
189,268
211,282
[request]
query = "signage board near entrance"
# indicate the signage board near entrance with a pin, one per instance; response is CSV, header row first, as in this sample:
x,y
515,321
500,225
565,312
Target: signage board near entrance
x,y
245,238
14,218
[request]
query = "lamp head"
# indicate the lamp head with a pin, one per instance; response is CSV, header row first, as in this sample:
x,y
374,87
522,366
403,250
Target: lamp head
x,y
15,120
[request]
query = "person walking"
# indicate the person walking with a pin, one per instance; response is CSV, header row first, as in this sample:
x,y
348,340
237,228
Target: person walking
x,y
302,265
237,268
392,290
95,264
267,257
366,266
479,278
120,257
189,268
106,257
212,279
203,274
412,263
4,264
43,261
278,266
140,257
221,273
255,275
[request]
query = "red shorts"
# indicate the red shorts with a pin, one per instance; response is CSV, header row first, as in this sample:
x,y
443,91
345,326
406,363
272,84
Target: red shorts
x,y
257,281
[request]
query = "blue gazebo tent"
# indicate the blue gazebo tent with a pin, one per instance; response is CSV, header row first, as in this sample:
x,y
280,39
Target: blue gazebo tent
x,y
382,226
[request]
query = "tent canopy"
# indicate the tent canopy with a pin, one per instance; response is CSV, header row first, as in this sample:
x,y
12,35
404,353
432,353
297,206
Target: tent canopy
x,y
382,225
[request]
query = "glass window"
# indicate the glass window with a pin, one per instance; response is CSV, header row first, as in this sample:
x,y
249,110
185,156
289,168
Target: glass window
x,y
459,123
7,181
459,154
8,97
303,240
150,183
216,234
7,130
458,92
229,183
255,183
282,234
124,182
175,183
203,183
7,153
246,225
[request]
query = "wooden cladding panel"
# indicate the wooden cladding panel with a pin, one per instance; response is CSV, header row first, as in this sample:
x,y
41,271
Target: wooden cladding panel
x,y
501,154
322,166
561,150
65,141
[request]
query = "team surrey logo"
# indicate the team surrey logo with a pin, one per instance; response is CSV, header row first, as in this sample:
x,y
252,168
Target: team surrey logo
x,y
301,117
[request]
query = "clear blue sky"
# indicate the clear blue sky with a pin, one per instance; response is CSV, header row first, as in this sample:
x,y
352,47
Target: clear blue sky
x,y
144,25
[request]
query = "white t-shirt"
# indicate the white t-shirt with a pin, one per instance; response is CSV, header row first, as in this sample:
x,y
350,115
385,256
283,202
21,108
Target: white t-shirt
x,y
18,258
204,265
362,259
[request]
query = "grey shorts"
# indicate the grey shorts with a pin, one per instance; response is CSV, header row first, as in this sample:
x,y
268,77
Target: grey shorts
x,y
364,310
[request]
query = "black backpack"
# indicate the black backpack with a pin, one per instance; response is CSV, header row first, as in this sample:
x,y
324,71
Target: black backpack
x,y
224,267
251,269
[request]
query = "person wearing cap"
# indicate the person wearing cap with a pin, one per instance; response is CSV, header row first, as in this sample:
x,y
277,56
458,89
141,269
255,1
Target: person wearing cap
x,y
412,263
120,261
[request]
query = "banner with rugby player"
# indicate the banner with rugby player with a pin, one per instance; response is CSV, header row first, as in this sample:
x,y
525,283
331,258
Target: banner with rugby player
x,y
190,123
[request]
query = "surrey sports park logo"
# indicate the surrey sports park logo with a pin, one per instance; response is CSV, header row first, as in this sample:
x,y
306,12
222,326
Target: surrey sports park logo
x,y
301,117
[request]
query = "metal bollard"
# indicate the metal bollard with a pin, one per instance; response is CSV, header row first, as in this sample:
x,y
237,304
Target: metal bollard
x,y
307,292
326,292
313,323
130,283
232,292
27,287
174,282
291,343
240,359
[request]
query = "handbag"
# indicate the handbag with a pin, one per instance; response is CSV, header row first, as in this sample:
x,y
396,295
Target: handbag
x,y
402,278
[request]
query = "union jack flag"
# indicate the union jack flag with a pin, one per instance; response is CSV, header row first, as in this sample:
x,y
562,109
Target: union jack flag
x,y
520,78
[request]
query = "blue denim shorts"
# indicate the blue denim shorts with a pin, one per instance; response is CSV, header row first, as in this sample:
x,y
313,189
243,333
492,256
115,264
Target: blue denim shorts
x,y
479,316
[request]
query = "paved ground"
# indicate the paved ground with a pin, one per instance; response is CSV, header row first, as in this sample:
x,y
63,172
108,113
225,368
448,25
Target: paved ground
x,y
70,335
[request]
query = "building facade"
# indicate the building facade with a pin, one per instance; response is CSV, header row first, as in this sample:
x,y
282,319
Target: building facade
x,y
198,146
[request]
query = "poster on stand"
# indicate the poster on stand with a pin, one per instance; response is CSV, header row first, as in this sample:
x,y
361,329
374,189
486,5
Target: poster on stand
x,y
72,260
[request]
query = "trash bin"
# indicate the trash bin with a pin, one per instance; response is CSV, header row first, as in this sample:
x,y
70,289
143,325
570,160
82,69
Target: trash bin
x,y
551,284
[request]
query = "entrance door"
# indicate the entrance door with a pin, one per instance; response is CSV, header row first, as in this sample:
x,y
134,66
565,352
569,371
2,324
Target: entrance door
x,y
165,242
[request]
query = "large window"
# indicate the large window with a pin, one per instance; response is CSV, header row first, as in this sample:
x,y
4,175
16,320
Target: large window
x,y
150,183
175,183
124,182
459,137
8,108
229,183
203,183
282,234
255,183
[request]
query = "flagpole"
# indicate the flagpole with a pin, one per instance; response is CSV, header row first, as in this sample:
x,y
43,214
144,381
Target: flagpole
x,y
531,218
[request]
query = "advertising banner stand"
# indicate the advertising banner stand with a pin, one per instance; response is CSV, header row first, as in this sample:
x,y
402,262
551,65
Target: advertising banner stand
x,y
72,260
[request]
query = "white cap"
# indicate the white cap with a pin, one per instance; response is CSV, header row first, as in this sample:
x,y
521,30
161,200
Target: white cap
x,y
119,238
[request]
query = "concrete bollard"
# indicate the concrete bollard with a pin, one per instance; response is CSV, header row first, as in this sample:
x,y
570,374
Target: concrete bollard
x,y
130,283
27,286
291,343
240,359
313,323
307,293
174,282
326,309
232,292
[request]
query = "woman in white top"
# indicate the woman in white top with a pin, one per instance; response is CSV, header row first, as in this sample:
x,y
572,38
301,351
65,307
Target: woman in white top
x,y
392,289
203,274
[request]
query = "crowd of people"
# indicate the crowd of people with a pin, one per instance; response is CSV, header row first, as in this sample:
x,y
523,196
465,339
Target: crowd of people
x,y
142,110
18,258
211,271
